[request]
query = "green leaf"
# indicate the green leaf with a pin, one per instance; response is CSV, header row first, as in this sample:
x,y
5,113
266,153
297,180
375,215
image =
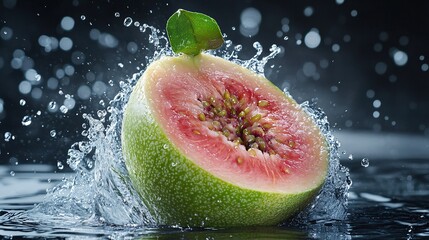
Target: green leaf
x,y
192,32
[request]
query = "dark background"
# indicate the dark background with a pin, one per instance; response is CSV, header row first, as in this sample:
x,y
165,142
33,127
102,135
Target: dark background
x,y
345,82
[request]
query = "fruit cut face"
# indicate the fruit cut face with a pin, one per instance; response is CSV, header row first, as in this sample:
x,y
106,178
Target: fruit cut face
x,y
236,125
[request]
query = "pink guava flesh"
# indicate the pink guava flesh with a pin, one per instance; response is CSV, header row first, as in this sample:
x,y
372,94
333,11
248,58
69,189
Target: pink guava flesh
x,y
236,125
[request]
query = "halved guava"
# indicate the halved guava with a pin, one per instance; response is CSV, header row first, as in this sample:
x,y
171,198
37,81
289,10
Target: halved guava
x,y
209,143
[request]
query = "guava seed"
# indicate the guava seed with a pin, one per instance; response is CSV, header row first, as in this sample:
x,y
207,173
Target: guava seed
x,y
238,119
262,103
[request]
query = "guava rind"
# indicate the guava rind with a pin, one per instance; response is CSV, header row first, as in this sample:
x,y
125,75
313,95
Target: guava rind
x,y
177,191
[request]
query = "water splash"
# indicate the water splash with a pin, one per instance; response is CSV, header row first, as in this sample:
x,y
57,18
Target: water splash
x,y
100,193
332,201
255,64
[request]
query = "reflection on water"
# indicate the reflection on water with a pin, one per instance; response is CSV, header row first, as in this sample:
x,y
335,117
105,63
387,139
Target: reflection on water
x,y
389,199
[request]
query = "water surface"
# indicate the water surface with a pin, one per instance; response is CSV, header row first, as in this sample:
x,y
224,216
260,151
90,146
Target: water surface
x,y
388,199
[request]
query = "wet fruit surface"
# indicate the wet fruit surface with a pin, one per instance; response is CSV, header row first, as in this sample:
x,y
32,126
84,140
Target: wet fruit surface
x,y
220,144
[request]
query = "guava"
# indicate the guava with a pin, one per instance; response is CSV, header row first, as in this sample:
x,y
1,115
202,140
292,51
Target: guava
x,y
209,143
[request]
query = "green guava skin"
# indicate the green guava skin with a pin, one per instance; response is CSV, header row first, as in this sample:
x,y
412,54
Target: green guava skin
x,y
176,191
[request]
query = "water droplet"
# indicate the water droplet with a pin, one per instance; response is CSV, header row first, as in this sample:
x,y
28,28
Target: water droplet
x,y
349,181
121,65
165,146
26,121
52,105
117,14
370,93
173,164
22,102
49,180
250,21
101,102
376,103
228,43
128,21
84,133
67,23
335,47
64,109
101,113
350,157
82,17
53,133
364,162
258,47
308,11
7,136
90,164
60,165
400,58
12,173
312,39
85,146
